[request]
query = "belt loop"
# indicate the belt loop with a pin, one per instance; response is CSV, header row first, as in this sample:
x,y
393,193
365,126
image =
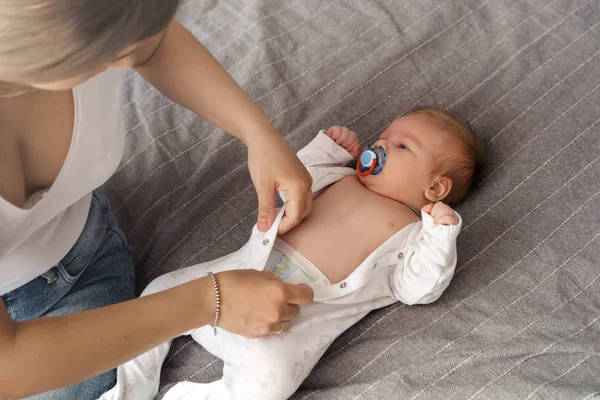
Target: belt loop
x,y
50,275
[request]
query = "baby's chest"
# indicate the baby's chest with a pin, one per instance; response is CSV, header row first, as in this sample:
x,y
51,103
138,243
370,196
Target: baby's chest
x,y
343,230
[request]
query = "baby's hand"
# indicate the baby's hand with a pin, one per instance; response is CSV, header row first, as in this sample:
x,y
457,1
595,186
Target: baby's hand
x,y
441,213
345,138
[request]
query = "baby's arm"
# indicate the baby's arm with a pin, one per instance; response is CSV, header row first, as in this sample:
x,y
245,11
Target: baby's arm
x,y
345,138
325,161
324,151
426,269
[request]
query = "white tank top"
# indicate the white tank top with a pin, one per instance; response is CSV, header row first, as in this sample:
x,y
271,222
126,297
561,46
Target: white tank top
x,y
33,240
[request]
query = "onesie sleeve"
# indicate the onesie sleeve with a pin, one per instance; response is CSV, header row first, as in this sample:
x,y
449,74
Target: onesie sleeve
x,y
323,151
325,161
426,269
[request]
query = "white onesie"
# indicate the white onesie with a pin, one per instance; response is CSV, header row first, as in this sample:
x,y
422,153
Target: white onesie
x,y
414,266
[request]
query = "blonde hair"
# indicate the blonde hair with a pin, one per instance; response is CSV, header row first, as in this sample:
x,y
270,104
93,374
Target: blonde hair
x,y
460,166
50,40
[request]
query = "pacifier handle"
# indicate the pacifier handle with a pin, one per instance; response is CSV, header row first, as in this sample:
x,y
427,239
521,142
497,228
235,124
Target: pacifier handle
x,y
367,172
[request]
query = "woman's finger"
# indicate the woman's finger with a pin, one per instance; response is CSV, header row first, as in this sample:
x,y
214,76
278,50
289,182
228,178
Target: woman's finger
x,y
279,327
308,204
298,293
290,311
266,206
294,209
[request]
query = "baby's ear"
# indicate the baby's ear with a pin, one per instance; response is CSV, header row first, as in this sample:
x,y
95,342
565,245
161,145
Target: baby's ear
x,y
439,189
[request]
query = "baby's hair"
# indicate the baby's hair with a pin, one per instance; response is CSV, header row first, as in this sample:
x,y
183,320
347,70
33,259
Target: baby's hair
x,y
50,40
461,166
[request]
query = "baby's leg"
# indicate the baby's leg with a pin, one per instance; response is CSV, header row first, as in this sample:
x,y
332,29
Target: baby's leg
x,y
139,378
270,367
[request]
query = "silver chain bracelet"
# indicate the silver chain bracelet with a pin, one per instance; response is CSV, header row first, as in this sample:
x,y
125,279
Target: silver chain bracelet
x,y
218,298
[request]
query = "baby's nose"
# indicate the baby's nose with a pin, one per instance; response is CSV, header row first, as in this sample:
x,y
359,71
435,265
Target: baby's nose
x,y
382,143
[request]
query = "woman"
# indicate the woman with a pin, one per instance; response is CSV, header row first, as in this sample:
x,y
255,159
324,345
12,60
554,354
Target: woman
x,y
62,254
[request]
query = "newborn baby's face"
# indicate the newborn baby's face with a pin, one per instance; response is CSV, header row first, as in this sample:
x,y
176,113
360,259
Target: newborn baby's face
x,y
412,144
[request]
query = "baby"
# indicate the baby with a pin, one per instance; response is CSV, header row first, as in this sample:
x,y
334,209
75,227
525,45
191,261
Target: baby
x,y
365,245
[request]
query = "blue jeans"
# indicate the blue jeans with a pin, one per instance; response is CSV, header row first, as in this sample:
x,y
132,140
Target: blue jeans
x,y
97,271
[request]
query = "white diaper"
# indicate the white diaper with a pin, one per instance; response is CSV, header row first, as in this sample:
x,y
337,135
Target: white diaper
x,y
292,267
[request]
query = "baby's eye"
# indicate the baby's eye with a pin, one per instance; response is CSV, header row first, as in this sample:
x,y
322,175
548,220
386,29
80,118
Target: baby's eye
x,y
402,146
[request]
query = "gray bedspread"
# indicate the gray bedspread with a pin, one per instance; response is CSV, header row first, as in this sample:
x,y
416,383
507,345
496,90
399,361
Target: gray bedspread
x,y
521,316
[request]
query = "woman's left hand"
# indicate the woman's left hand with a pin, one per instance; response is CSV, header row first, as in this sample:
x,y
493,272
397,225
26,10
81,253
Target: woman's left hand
x,y
215,96
274,167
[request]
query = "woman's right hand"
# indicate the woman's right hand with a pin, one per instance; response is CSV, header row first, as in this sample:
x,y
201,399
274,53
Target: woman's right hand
x,y
256,303
253,303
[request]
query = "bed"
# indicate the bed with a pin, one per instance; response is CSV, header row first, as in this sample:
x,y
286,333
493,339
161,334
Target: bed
x,y
521,316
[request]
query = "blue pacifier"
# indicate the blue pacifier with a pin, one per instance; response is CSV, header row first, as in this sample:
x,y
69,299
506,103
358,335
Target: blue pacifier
x,y
371,161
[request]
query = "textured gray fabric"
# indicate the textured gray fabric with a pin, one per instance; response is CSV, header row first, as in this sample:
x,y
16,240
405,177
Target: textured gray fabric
x,y
520,318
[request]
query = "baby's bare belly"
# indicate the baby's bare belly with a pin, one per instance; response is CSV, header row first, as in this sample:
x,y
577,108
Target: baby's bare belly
x,y
329,247
347,223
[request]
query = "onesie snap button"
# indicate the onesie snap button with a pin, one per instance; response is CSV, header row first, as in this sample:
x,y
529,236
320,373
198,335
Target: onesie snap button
x,y
400,256
266,242
343,285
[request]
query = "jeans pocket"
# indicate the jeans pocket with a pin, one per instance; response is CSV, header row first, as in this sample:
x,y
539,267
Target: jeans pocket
x,y
112,241
72,274
33,299
96,227
112,226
